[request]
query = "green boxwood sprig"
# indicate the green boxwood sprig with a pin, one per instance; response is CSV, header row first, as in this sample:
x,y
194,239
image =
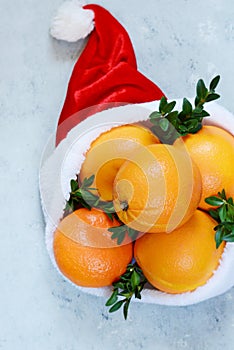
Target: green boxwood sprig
x,y
119,233
130,284
81,196
169,124
224,215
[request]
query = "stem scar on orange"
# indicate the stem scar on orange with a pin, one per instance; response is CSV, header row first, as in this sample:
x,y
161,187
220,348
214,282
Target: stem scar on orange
x,y
158,190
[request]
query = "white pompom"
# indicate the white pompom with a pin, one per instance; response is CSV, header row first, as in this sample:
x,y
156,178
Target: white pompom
x,y
72,22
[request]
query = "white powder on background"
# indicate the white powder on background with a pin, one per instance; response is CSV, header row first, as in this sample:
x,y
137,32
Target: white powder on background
x,y
65,162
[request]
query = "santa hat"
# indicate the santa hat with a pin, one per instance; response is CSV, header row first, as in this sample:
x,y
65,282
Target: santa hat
x,y
105,74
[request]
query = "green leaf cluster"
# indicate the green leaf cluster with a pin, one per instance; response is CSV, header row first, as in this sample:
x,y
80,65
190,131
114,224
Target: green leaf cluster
x,y
119,233
224,215
130,284
81,196
169,124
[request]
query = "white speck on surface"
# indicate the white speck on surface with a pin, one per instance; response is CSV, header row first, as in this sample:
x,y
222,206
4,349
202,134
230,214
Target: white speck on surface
x,y
207,31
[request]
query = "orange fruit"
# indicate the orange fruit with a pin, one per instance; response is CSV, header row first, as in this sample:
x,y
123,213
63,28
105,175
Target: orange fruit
x,y
85,259
158,190
109,151
212,149
182,260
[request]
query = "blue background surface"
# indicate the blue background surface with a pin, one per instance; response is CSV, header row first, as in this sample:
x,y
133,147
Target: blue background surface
x,y
176,42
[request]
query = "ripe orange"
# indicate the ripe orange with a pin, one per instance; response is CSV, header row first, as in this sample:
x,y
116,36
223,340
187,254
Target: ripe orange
x,y
158,190
109,151
212,149
182,260
82,256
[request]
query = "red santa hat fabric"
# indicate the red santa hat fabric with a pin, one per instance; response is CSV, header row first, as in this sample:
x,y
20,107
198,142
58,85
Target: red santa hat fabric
x,y
105,74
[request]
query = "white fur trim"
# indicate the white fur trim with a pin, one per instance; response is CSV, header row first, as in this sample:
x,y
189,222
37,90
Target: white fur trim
x,y
72,22
62,164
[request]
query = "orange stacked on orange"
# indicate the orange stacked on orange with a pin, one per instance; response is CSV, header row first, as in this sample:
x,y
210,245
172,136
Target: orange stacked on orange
x,y
156,189
109,151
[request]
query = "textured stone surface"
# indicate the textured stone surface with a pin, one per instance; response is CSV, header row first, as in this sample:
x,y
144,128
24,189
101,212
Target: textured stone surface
x,y
176,42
